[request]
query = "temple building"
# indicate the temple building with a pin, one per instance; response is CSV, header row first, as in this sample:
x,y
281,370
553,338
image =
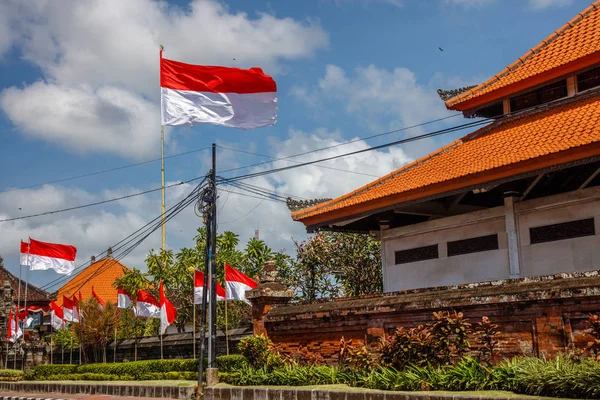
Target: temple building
x,y
517,198
99,275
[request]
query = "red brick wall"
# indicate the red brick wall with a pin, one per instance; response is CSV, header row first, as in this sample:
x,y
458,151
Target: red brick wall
x,y
535,317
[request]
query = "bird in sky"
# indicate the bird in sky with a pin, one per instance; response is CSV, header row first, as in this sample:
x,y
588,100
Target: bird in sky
x,y
440,49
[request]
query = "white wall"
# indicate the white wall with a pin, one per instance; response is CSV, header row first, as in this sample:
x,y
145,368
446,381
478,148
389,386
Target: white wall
x,y
578,254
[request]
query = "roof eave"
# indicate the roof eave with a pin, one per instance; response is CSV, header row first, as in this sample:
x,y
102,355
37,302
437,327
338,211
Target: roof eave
x,y
421,194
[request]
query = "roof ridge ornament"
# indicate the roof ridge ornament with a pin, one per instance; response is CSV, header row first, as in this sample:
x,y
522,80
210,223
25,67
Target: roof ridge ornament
x,y
448,94
297,205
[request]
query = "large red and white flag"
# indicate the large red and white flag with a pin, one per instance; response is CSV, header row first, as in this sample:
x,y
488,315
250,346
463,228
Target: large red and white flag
x,y
57,317
146,305
168,313
98,298
13,328
59,257
237,284
70,313
199,288
233,97
123,299
24,253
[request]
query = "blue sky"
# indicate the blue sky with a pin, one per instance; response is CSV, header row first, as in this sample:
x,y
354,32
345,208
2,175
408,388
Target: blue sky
x,y
79,93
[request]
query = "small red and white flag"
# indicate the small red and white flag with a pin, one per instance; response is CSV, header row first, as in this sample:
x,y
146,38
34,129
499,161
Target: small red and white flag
x,y
14,331
98,298
146,305
237,284
69,310
233,97
168,313
24,253
76,308
199,288
59,257
57,317
123,299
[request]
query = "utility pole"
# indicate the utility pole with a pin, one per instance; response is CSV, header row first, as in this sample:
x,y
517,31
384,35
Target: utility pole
x,y
212,313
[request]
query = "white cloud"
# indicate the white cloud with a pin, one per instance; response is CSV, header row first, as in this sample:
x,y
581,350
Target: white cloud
x,y
468,3
86,49
380,99
544,4
395,3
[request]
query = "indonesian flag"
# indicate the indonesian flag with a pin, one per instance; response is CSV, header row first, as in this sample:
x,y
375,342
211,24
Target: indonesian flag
x,y
69,310
24,254
98,299
12,330
59,257
123,299
57,318
76,309
168,313
233,97
199,288
147,306
237,284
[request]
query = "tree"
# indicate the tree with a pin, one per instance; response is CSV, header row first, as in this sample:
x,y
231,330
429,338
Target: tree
x,y
331,264
97,327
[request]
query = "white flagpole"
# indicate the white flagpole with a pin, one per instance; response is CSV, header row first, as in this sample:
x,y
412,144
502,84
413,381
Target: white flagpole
x,y
161,345
51,341
19,290
27,273
194,322
115,346
162,173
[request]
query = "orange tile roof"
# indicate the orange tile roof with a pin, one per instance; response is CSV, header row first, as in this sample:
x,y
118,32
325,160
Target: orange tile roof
x,y
509,147
574,46
100,275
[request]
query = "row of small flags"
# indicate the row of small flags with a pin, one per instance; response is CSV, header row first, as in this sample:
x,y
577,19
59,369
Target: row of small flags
x,y
146,305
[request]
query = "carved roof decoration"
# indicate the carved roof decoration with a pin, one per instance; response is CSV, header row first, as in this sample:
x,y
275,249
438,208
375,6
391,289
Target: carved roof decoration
x,y
446,95
297,205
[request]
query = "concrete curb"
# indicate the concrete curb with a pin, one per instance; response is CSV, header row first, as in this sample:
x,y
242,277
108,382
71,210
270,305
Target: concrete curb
x,y
94,388
251,393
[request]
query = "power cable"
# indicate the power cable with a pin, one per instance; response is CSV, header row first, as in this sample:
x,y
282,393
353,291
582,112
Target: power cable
x,y
245,215
98,202
385,145
104,171
123,242
346,143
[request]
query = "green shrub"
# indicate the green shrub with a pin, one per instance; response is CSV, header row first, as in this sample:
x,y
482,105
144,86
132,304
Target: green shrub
x,y
137,369
255,349
82,377
11,375
41,372
231,363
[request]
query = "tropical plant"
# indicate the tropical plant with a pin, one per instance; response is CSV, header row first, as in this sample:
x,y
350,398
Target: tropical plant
x,y
450,335
485,336
255,349
594,330
408,346
97,326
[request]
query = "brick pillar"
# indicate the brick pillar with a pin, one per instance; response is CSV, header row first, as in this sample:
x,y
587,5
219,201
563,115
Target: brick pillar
x,y
266,295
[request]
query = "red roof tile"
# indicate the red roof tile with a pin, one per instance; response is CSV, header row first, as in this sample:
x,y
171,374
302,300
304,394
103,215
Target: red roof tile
x,y
100,275
572,47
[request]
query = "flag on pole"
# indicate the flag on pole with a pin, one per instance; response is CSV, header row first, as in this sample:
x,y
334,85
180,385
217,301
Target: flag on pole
x,y
12,328
24,253
76,309
237,284
57,318
98,299
168,313
199,288
147,306
18,331
69,310
59,257
233,97
123,299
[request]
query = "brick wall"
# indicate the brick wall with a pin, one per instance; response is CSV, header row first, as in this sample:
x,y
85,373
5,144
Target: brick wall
x,y
537,316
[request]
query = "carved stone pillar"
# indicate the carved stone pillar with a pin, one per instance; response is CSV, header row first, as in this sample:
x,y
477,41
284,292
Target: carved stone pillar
x,y
269,293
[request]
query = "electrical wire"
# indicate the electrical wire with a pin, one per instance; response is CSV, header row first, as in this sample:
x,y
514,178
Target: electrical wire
x,y
150,226
104,171
245,215
97,203
345,143
385,145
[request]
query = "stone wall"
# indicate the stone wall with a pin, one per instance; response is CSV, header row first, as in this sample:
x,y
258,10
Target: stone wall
x,y
537,316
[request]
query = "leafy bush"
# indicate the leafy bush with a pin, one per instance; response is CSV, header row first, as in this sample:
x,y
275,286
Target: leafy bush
x,y
485,335
449,331
594,330
256,349
83,377
41,372
231,363
412,346
354,358
560,377
12,375
137,369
